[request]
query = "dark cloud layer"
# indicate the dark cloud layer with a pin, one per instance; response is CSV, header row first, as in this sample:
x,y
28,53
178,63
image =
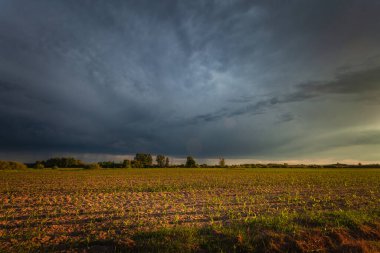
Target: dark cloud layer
x,y
240,79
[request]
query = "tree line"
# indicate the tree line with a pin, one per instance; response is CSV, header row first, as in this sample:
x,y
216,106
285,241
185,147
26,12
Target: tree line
x,y
145,160
141,160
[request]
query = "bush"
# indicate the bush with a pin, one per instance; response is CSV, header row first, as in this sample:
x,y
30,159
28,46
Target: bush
x,y
55,167
63,162
92,166
9,165
39,166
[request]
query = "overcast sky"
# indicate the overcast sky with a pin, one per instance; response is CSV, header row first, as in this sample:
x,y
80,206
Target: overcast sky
x,y
263,80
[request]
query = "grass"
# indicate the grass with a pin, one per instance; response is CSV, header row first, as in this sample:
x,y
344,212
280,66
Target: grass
x,y
190,210
282,234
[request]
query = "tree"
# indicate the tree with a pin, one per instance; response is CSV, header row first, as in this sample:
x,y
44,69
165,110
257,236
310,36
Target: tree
x,y
190,162
136,164
222,163
145,160
167,162
160,159
126,163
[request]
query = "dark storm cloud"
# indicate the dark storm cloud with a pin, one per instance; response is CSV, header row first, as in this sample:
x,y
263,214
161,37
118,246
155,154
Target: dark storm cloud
x,y
210,78
363,84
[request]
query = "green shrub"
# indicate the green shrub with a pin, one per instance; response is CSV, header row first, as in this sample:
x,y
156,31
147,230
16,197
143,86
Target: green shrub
x,y
9,165
92,166
39,166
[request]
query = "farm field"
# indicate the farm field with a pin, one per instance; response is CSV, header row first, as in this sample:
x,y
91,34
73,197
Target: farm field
x,y
190,210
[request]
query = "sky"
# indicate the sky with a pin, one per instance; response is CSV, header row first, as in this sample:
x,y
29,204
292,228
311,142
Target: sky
x,y
269,80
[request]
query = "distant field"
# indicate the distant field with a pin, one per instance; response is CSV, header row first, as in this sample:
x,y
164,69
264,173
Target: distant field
x,y
194,210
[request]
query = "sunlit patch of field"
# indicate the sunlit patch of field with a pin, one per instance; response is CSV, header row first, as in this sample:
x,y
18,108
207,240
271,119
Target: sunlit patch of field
x,y
190,209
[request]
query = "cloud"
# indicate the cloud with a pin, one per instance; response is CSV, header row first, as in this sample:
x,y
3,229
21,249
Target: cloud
x,y
238,78
356,82
362,84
